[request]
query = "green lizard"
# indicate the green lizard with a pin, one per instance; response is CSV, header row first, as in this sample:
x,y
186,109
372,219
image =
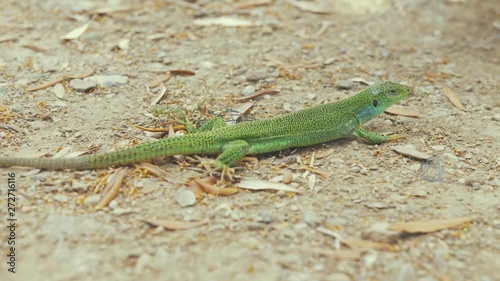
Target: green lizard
x,y
306,127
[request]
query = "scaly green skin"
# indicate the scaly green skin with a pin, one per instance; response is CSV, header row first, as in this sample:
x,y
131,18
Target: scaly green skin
x,y
311,126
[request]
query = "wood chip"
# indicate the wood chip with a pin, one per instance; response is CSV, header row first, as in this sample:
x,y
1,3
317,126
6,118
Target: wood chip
x,y
258,184
411,152
113,186
46,85
237,112
76,33
428,226
257,94
253,3
398,110
225,21
367,244
453,97
310,6
175,224
159,96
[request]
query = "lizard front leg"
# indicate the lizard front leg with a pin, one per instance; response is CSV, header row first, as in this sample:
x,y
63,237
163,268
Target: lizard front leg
x,y
232,152
374,138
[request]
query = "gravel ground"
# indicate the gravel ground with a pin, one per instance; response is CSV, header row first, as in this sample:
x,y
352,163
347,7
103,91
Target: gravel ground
x,y
105,63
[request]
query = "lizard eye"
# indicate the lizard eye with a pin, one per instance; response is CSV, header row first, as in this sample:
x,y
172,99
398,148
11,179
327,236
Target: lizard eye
x,y
375,103
394,92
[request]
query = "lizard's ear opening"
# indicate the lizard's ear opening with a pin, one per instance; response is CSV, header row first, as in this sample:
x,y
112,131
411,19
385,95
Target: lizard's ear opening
x,y
375,103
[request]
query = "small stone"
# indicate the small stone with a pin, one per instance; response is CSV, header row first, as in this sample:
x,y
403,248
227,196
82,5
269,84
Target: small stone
x,y
59,90
337,221
337,277
438,147
379,72
287,106
355,169
113,204
376,205
143,261
61,198
388,122
108,80
206,65
329,61
421,192
265,217
80,85
379,232
248,90
344,84
255,75
184,197
122,211
92,200
312,218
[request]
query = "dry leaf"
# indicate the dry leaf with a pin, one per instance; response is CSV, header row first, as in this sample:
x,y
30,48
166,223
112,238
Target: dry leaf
x,y
257,184
76,33
411,152
257,94
309,6
113,186
453,97
175,224
253,3
207,185
159,96
428,226
225,21
367,244
157,171
397,110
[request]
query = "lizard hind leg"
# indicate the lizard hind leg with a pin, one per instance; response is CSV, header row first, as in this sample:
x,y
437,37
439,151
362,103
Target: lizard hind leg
x,y
232,152
375,138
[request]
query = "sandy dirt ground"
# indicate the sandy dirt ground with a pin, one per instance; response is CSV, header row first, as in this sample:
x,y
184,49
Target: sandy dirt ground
x,y
105,63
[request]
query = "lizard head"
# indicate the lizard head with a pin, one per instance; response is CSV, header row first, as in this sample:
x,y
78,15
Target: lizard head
x,y
378,97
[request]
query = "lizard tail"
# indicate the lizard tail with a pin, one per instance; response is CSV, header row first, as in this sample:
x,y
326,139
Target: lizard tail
x,y
77,163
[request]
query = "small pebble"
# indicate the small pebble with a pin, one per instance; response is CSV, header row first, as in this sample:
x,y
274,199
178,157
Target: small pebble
x,y
248,90
61,198
92,200
206,65
108,80
257,74
438,147
113,204
265,217
421,192
184,197
337,221
344,84
80,85
355,169
312,218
